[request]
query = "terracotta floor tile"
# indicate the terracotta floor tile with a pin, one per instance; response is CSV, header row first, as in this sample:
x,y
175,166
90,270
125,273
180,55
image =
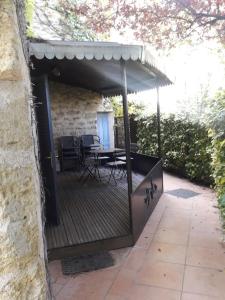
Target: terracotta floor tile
x,y
62,279
55,287
91,285
161,274
201,214
174,222
69,293
151,226
54,269
204,204
135,259
123,283
144,240
167,235
174,212
179,203
166,252
204,281
187,296
206,257
205,224
142,292
115,297
205,239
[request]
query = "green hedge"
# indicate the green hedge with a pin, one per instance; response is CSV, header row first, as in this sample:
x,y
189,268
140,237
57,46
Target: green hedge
x,y
217,133
186,146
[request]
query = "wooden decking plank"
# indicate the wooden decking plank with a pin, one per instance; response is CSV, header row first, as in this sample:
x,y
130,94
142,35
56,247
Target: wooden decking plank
x,y
74,213
88,213
116,210
72,228
116,207
105,218
90,204
112,219
89,224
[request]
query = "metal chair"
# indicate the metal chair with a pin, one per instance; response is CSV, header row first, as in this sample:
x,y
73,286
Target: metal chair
x,y
117,170
90,141
91,167
69,152
117,167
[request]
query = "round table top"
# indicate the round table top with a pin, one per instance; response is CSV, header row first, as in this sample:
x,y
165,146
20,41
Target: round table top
x,y
104,151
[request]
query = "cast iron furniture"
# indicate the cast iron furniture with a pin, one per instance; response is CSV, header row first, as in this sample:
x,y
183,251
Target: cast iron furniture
x,y
117,170
94,159
89,142
69,152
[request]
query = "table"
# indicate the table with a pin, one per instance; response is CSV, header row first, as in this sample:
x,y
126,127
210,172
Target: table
x,y
109,151
99,156
123,158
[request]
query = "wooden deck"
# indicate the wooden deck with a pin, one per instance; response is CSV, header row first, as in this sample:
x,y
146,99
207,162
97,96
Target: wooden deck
x,y
89,212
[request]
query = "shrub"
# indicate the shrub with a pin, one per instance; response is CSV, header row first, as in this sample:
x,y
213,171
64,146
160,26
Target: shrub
x,y
217,133
186,146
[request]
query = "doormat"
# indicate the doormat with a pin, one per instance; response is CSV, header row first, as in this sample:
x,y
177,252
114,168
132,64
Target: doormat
x,y
183,193
86,263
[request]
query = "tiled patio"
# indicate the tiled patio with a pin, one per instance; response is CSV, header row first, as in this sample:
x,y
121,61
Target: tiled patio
x,y
179,256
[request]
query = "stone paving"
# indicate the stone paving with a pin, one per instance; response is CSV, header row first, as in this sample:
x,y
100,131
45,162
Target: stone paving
x,y
179,256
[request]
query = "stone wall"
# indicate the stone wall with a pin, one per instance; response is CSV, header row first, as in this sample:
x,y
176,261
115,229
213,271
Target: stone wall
x,y
22,267
74,111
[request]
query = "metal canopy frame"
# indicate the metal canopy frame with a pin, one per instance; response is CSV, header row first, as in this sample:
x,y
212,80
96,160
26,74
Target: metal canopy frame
x,y
107,68
97,66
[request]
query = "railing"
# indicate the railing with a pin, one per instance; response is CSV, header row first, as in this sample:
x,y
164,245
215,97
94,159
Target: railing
x,y
147,194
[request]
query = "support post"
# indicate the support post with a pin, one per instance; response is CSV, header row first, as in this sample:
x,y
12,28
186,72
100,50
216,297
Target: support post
x,y
126,127
158,124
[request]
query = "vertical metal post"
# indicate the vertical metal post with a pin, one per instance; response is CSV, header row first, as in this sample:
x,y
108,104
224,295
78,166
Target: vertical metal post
x,y
158,124
126,127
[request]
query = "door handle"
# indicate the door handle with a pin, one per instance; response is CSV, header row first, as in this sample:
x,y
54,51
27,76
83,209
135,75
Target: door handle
x,y
51,158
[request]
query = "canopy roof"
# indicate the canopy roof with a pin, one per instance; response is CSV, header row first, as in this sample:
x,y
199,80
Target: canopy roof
x,y
97,65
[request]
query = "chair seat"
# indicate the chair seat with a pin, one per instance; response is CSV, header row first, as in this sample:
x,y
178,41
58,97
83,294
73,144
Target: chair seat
x,y
102,157
123,158
116,163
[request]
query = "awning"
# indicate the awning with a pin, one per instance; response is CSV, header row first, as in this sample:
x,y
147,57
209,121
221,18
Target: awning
x,y
97,65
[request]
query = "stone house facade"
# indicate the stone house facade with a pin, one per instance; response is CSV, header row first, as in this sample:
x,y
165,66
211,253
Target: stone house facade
x,y
22,251
75,111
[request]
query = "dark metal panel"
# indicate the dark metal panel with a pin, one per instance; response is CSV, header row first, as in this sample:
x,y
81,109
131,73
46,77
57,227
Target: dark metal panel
x,y
143,163
147,194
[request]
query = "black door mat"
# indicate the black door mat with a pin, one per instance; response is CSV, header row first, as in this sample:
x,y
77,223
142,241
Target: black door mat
x,y
183,193
86,263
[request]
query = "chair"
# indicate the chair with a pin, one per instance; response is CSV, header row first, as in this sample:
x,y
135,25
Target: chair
x,y
91,167
90,141
117,167
69,151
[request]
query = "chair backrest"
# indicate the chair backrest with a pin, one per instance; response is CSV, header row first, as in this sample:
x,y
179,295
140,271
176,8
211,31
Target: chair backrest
x,y
89,139
66,142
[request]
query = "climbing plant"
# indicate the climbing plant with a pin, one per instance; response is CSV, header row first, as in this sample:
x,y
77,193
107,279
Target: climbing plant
x,y
29,12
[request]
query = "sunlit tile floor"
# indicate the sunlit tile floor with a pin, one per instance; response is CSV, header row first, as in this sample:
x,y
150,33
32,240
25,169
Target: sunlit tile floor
x,y
179,256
